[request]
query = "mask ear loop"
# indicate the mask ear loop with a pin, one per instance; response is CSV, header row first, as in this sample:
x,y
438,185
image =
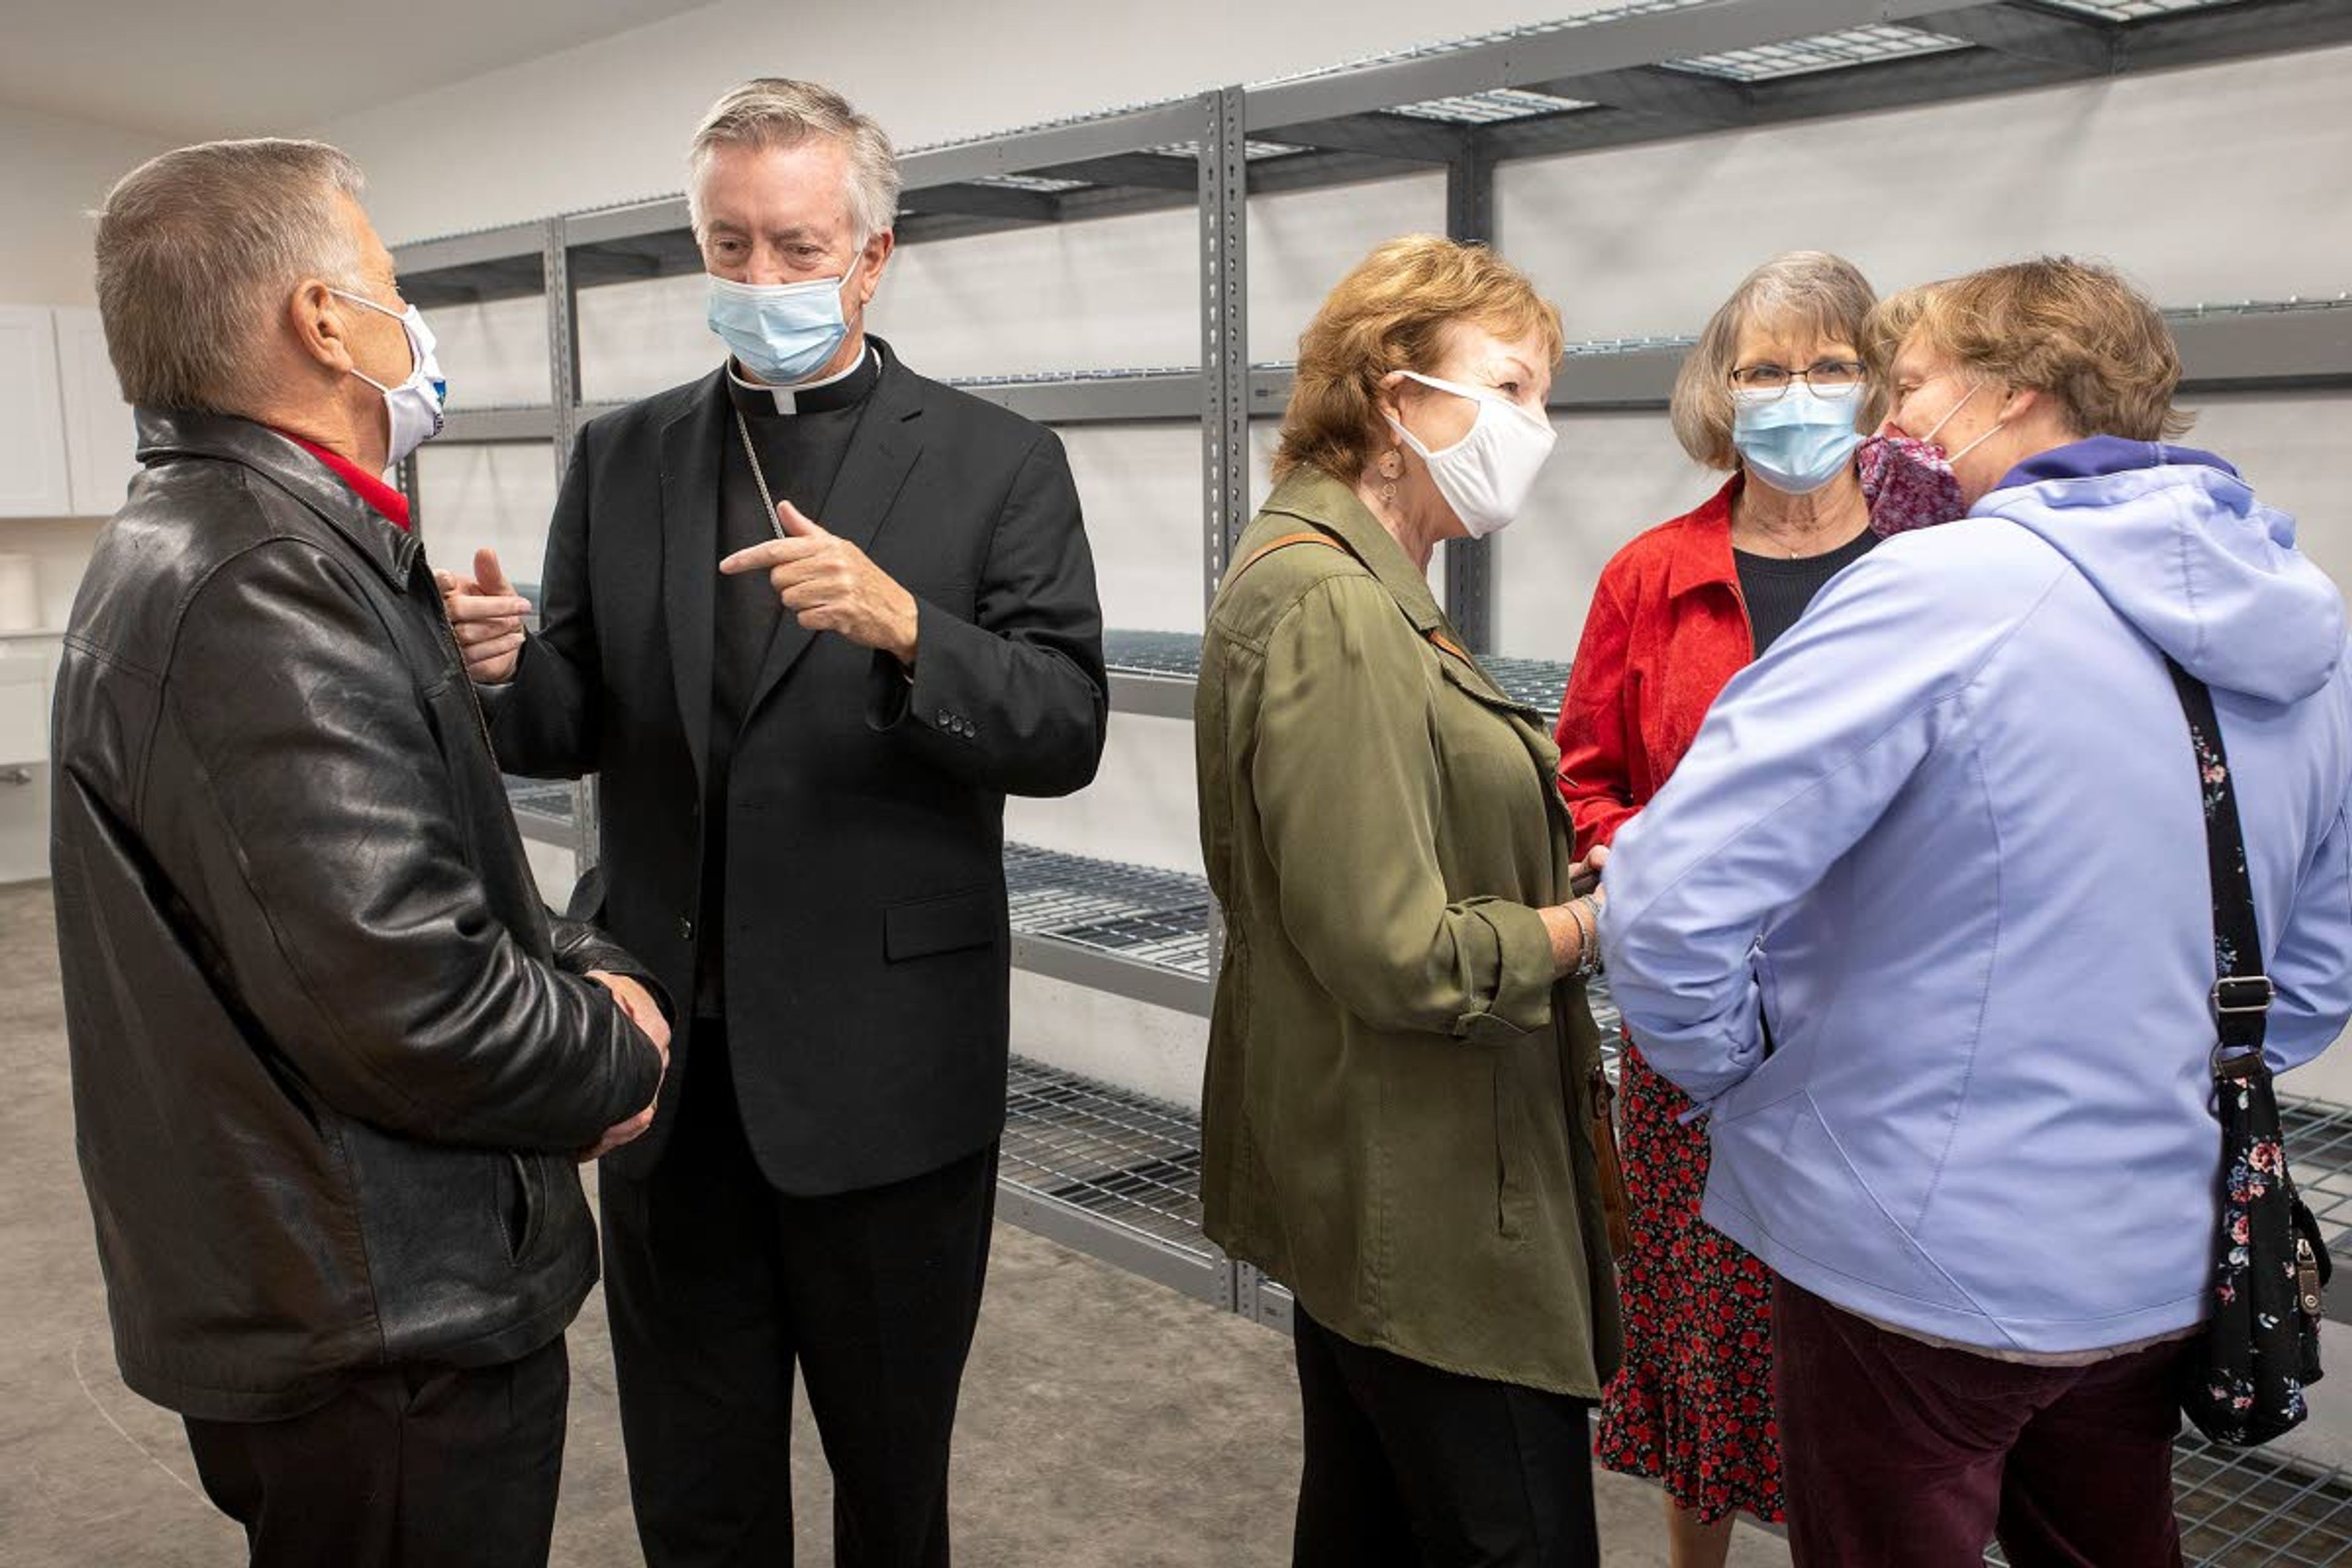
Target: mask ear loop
x,y
1974,387
415,360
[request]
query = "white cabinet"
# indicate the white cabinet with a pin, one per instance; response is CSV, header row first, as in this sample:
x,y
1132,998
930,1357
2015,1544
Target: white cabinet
x,y
34,479
66,441
100,441
24,678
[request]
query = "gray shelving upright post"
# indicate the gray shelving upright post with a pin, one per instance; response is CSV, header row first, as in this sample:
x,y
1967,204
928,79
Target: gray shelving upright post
x,y
404,476
1225,412
563,404
1470,563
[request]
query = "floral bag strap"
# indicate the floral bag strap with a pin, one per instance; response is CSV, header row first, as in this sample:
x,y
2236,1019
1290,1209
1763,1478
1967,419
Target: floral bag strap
x,y
2243,1383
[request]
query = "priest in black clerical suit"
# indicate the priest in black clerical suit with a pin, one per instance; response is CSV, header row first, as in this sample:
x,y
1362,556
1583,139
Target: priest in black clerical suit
x,y
804,759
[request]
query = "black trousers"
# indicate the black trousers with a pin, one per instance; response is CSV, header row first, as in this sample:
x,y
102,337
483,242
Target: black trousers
x,y
416,1467
1411,1466
719,1286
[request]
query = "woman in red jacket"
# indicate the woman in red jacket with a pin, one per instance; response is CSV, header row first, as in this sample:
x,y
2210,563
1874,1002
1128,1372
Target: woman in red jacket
x,y
1775,393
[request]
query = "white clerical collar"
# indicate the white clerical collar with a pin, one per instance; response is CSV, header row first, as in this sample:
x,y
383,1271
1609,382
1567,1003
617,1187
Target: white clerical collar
x,y
788,397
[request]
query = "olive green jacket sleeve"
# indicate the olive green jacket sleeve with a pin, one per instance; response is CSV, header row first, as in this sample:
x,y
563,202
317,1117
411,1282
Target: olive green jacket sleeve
x,y
1349,793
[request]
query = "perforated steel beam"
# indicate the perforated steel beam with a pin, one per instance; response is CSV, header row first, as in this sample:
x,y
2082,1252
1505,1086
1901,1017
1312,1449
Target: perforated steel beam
x,y
2235,32
985,200
1698,101
1380,135
1024,152
2085,46
1133,171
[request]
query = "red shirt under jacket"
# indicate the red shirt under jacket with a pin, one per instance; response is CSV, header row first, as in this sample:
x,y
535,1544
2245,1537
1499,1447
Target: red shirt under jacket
x,y
1668,629
389,502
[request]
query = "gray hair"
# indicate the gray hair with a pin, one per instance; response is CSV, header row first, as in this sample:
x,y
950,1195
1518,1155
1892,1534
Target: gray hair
x,y
776,111
200,248
1812,288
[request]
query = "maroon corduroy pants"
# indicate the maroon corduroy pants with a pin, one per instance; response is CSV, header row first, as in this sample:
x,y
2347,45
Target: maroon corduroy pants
x,y
1902,1455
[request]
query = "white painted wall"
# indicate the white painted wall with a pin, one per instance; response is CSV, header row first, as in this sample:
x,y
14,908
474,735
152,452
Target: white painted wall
x,y
53,171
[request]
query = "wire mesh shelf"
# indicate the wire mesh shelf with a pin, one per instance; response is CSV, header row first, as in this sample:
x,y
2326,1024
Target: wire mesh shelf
x,y
1602,348
1123,1158
2201,312
1133,914
2137,10
1043,185
1172,656
1254,149
1497,107
2319,1157
548,800
1073,377
1537,683
1830,51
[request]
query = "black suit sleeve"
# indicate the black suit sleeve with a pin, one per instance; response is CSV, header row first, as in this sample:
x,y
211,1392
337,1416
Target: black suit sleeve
x,y
1016,701
326,856
544,722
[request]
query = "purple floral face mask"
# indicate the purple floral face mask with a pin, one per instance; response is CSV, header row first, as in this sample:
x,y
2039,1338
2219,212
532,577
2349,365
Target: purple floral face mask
x,y
1908,481
1908,484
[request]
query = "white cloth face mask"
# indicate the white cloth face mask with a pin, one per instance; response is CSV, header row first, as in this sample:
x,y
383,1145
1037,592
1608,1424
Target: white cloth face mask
x,y
414,404
1485,477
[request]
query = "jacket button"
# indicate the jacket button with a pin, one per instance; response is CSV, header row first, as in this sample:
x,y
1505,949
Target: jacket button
x,y
943,717
685,929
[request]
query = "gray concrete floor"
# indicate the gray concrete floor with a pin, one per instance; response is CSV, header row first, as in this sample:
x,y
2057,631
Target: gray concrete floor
x,y
1107,1423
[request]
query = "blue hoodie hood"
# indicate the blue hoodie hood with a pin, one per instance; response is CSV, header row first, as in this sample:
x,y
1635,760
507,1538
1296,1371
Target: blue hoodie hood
x,y
2175,541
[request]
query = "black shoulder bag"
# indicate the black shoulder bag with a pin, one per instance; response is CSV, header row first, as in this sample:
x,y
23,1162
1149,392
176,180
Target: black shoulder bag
x,y
2244,1383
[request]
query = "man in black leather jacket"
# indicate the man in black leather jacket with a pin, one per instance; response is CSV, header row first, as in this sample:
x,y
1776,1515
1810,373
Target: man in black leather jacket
x,y
333,1064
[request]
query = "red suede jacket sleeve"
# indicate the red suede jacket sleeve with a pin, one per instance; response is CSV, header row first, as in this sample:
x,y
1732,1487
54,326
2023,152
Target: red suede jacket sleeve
x,y
1595,763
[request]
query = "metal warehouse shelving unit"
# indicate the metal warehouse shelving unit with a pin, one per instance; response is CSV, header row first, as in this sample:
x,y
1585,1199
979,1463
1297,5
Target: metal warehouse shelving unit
x,y
1115,1173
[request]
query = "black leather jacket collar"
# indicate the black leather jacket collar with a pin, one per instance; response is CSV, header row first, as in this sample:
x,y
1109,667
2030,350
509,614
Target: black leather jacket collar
x,y
166,434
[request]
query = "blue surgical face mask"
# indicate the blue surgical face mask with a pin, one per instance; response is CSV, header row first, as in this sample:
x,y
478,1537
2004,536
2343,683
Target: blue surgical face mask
x,y
782,332
1796,442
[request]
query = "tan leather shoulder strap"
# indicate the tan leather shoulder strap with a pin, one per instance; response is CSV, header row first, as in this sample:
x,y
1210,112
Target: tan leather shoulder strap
x,y
1309,536
1450,645
1306,536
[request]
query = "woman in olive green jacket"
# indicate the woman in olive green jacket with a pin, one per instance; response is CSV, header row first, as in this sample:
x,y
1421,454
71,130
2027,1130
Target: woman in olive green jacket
x,y
1395,1118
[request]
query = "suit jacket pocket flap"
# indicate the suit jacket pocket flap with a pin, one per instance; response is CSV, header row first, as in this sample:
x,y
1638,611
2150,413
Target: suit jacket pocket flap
x,y
940,924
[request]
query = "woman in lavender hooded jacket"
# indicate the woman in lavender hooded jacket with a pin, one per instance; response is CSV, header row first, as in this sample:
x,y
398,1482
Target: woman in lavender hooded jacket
x,y
1923,923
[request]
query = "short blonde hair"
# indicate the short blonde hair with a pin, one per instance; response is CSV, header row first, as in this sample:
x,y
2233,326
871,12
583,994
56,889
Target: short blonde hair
x,y
1889,326
1825,292
198,253
2075,331
1393,312
777,111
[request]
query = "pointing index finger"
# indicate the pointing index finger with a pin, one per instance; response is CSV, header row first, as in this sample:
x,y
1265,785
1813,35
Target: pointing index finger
x,y
766,557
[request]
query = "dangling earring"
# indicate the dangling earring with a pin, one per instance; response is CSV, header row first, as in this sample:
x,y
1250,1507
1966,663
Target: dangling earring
x,y
1392,469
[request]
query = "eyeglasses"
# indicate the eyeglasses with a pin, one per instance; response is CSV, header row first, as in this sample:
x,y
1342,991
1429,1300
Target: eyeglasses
x,y
1830,377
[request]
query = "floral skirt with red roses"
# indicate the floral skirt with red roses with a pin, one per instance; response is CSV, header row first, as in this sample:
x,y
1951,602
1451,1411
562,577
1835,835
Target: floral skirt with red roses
x,y
1693,1406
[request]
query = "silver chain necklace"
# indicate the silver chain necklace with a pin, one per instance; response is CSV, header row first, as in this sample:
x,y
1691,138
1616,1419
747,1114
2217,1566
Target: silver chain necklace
x,y
776,522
